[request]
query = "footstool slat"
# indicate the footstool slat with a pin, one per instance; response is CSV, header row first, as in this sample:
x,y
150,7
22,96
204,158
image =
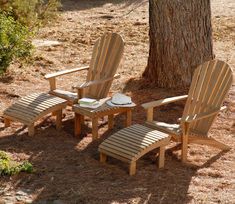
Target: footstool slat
x,y
22,111
111,154
22,115
45,101
125,144
29,109
134,138
115,151
121,148
134,141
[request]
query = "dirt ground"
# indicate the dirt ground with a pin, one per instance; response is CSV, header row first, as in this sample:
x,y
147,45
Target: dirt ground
x,y
68,168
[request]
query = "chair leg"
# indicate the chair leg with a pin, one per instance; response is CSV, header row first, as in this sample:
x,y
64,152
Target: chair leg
x,y
77,124
31,130
185,143
161,159
103,157
58,119
94,128
110,122
128,117
132,168
7,122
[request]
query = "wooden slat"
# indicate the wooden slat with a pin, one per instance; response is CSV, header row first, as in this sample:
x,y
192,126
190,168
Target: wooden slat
x,y
117,151
153,133
165,101
63,72
30,108
105,151
105,60
13,112
124,146
119,145
191,90
205,88
17,118
150,135
138,136
127,143
44,100
131,137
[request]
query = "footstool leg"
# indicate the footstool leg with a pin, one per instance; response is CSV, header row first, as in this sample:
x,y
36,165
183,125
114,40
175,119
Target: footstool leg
x,y
77,124
31,130
128,117
103,157
7,122
110,122
132,168
161,159
58,119
94,128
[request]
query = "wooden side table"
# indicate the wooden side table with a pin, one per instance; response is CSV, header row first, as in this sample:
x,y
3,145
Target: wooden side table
x,y
95,114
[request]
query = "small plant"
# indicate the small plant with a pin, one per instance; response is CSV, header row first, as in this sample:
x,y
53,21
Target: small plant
x,y
31,12
14,41
9,167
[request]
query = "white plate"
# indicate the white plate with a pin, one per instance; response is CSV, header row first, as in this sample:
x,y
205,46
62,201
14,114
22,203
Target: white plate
x,y
126,105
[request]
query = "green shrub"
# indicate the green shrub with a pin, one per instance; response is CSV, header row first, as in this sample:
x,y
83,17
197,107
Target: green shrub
x,y
10,167
14,41
31,12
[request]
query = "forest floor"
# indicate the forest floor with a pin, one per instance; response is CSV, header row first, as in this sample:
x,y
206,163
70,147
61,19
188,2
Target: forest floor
x,y
68,168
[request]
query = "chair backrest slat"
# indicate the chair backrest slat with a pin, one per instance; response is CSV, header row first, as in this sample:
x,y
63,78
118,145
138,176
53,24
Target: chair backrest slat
x,y
106,57
210,84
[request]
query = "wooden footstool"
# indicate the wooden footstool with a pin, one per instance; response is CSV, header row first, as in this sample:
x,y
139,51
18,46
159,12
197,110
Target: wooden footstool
x,y
131,143
29,109
95,114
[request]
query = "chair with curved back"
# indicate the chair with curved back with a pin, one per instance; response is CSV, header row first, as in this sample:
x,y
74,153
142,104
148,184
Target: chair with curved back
x,y
210,85
106,57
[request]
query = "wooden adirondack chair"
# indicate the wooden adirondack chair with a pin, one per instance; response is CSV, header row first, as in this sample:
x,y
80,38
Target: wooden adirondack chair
x,y
210,84
106,56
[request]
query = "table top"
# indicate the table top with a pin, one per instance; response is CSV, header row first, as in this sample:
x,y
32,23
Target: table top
x,y
103,110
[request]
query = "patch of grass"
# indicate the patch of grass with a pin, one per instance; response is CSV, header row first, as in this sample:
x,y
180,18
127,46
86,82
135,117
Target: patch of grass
x,y
10,167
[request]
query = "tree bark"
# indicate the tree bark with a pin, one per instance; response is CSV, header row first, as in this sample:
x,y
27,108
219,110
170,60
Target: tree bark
x,y
180,39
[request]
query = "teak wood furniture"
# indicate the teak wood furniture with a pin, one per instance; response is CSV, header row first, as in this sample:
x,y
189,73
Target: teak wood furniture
x,y
210,85
95,114
131,143
29,109
106,57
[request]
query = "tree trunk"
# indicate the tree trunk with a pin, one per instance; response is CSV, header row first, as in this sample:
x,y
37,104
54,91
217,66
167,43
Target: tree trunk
x,y
180,39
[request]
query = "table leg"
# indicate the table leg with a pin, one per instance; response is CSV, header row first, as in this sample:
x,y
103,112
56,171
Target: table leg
x,y
128,117
110,121
94,128
58,119
7,122
77,124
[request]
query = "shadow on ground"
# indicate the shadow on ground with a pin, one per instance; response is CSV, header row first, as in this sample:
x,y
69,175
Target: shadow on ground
x,y
71,5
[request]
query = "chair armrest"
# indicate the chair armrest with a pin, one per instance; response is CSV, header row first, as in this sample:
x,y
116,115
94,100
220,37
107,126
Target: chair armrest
x,y
64,72
96,82
150,105
192,118
161,102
